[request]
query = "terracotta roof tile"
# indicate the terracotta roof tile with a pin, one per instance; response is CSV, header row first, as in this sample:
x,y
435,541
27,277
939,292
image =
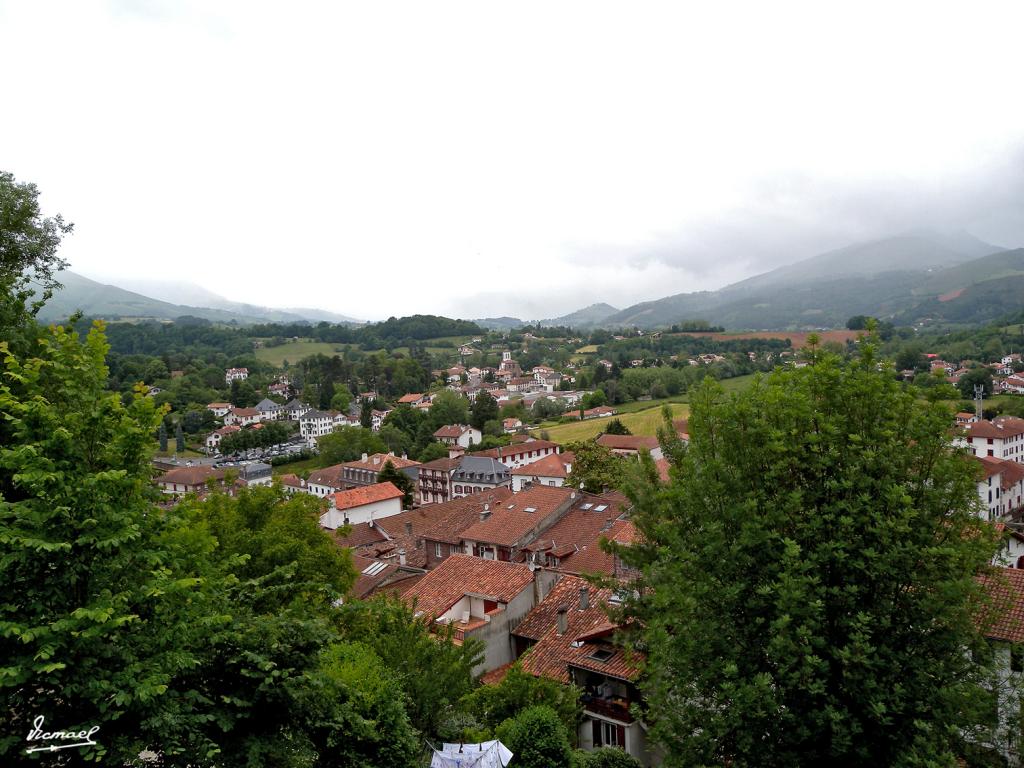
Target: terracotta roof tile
x,y
1004,616
461,575
510,521
368,494
329,476
552,654
377,461
553,465
451,518
190,475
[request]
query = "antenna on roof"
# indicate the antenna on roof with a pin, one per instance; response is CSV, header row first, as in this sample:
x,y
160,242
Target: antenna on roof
x,y
979,395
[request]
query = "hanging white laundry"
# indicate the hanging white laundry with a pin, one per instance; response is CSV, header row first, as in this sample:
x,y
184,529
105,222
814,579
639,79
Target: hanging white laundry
x,y
487,754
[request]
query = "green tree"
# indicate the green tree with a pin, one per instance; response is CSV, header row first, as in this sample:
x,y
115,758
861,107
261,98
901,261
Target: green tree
x,y
433,451
974,377
812,601
90,593
448,408
179,438
341,400
434,672
537,738
364,721
348,444
366,414
400,480
162,436
595,468
616,427
28,257
485,408
243,394
491,705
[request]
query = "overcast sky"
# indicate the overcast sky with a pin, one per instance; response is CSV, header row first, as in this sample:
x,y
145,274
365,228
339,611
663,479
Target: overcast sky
x,y
480,158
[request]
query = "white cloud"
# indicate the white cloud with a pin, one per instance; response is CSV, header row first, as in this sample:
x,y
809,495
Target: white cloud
x,y
387,158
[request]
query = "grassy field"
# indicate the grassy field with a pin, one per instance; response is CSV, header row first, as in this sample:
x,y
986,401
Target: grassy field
x,y
590,349
644,422
297,467
293,351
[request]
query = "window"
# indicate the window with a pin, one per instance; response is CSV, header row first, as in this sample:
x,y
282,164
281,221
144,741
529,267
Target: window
x,y
437,549
601,654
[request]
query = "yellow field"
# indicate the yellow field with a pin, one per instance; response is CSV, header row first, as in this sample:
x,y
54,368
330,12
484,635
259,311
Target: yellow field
x,y
293,351
644,422
590,349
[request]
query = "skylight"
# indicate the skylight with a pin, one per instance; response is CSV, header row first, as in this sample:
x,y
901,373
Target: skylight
x,y
601,654
600,507
588,505
374,568
529,509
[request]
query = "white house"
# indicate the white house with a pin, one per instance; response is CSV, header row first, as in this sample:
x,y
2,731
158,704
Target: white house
x,y
242,417
314,424
270,410
552,471
458,434
295,409
521,454
362,505
1001,488
219,409
1002,438
214,438
235,374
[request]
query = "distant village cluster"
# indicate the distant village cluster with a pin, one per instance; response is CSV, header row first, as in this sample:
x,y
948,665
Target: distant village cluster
x,y
497,543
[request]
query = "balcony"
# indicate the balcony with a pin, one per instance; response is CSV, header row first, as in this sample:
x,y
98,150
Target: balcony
x,y
613,708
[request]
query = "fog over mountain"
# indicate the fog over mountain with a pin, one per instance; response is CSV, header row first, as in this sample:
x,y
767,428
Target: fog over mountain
x,y
369,168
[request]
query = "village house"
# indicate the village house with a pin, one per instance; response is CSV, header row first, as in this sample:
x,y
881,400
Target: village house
x,y
235,374
242,417
476,598
314,424
521,454
458,434
365,471
511,425
219,409
295,409
377,418
360,505
413,399
552,470
573,543
269,410
444,536
571,640
325,482
963,418
183,480
478,473
256,473
375,575
1001,488
505,530
434,481
214,438
1002,438
599,412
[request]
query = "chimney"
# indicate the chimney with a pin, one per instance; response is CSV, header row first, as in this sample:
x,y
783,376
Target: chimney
x,y
563,620
607,524
408,529
401,557
584,598
365,457
485,512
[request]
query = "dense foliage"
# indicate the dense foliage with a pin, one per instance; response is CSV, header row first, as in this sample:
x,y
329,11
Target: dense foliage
x,y
807,587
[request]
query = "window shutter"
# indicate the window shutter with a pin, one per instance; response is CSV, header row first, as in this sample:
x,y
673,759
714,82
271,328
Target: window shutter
x,y
620,735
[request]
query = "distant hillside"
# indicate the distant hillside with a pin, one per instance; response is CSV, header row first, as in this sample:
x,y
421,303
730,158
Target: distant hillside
x,y
883,277
593,315
97,299
190,294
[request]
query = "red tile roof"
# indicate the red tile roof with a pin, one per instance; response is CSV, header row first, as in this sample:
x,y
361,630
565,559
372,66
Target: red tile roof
x,y
377,461
369,494
510,521
245,411
592,559
511,452
552,465
451,430
329,476
462,575
366,583
412,397
553,654
453,517
1003,618
627,442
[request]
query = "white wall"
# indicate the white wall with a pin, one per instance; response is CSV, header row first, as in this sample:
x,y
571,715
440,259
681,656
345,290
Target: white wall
x,y
362,514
